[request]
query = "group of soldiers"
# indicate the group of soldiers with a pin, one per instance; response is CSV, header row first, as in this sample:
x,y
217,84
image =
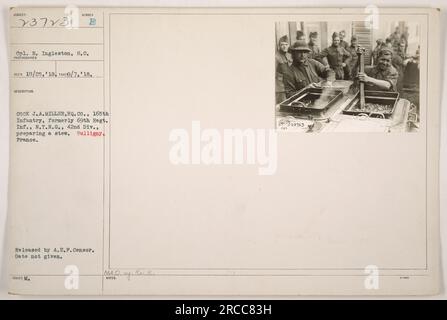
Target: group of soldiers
x,y
398,43
303,63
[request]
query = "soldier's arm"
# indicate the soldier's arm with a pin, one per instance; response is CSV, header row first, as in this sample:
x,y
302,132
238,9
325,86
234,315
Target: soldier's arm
x,y
389,84
289,81
347,56
324,71
323,56
278,63
392,79
381,84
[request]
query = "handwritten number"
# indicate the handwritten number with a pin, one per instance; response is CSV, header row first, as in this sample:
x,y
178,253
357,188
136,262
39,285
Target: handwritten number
x,y
24,22
64,22
53,22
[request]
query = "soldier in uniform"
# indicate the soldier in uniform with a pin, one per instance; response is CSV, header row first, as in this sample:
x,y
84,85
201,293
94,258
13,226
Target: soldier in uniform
x,y
395,38
400,61
406,35
343,43
282,57
405,41
315,50
352,49
375,53
382,77
303,71
336,56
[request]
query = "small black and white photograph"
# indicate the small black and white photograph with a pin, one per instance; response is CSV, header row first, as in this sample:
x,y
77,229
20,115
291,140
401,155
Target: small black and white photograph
x,y
347,76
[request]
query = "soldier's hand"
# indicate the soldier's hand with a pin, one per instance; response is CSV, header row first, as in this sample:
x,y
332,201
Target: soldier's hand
x,y
407,60
362,77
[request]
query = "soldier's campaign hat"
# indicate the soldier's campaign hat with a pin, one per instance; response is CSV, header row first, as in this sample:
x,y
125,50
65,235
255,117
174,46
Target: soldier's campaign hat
x,y
342,33
354,37
335,35
300,45
313,34
284,39
386,51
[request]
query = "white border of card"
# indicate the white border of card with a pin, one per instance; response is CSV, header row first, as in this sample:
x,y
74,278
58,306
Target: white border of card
x,y
145,189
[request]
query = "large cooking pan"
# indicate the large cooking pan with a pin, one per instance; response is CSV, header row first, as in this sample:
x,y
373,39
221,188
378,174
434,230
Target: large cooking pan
x,y
387,99
311,99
